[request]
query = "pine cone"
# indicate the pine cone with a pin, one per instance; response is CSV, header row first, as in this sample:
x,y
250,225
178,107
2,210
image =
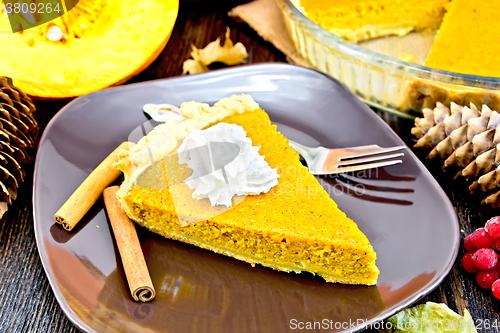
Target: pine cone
x,y
17,132
467,139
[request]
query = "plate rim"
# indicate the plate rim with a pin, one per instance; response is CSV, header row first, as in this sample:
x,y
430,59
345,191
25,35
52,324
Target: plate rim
x,y
386,313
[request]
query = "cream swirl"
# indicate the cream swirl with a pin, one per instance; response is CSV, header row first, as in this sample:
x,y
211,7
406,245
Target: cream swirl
x,y
220,171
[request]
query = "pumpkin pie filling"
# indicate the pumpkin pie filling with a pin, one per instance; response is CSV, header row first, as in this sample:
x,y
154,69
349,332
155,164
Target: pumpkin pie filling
x,y
357,20
467,40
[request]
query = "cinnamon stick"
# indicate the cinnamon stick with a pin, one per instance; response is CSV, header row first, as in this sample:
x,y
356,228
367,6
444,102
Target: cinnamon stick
x,y
85,196
134,264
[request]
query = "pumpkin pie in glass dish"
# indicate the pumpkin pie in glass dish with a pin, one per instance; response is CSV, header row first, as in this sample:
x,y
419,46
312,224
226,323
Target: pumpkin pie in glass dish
x,y
398,59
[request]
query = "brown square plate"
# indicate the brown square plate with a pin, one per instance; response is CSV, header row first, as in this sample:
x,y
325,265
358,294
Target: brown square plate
x,y
401,209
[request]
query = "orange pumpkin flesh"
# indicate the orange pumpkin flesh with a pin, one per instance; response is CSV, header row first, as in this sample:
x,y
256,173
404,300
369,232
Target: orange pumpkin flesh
x,y
104,42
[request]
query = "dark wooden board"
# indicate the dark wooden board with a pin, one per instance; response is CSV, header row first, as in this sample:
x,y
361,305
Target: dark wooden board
x,y
27,302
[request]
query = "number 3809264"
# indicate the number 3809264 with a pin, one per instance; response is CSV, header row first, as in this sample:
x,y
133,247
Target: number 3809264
x,y
38,8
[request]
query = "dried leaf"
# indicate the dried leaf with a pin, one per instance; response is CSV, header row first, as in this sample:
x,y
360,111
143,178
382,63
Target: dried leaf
x,y
229,54
192,66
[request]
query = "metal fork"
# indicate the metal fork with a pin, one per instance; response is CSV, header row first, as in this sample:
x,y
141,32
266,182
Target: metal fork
x,y
324,161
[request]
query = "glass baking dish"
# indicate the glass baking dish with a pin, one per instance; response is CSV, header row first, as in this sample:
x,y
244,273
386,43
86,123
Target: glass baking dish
x,y
383,81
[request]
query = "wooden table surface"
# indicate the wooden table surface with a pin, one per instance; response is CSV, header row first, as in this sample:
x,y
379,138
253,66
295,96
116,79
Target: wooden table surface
x,y
27,301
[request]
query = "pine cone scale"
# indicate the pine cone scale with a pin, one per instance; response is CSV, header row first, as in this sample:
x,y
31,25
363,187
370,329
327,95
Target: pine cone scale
x,y
9,181
11,164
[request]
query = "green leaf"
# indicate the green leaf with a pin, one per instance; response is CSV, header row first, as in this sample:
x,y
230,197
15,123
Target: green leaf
x,y
429,317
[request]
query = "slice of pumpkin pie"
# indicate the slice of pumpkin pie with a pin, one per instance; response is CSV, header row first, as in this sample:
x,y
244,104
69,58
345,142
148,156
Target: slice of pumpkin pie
x,y
259,205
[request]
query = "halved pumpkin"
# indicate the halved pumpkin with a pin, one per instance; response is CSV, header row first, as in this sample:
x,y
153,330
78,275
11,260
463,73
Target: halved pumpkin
x,y
97,44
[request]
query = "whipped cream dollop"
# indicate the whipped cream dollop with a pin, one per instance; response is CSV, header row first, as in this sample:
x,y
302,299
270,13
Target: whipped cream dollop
x,y
225,164
165,138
